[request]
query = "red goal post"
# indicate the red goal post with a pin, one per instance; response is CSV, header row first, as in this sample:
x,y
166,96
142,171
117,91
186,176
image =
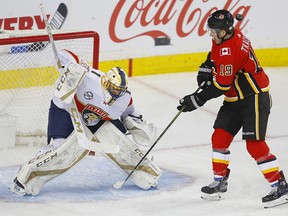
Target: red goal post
x,y
28,73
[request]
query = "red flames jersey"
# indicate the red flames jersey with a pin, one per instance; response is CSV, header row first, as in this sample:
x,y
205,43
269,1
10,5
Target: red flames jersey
x,y
237,69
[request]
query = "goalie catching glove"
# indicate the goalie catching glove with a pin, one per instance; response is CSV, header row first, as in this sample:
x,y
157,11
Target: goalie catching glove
x,y
143,134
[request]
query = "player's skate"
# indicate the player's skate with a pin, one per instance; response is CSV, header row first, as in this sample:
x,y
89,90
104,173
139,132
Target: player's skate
x,y
17,188
278,195
215,190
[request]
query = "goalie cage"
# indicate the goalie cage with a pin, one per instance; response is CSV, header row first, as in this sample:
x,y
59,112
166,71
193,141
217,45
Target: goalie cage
x,y
28,72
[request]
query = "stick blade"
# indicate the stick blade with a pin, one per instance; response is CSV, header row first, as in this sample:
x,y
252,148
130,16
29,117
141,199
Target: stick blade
x,y
59,17
118,184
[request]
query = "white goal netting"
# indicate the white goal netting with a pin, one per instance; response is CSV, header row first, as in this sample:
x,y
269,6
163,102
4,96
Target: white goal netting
x,y
28,73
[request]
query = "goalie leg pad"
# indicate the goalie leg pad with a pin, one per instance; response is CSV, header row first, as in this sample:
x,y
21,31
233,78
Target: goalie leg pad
x,y
48,165
147,174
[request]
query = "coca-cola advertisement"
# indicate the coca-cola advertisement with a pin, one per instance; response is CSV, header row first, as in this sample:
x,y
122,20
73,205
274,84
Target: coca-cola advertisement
x,y
139,28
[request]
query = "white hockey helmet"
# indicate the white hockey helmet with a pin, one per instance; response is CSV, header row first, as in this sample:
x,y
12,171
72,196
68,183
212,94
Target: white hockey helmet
x,y
114,84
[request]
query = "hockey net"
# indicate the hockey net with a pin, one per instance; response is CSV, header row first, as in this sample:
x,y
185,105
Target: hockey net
x,y
28,74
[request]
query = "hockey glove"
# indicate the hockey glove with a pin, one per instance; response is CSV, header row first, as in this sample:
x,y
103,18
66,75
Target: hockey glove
x,y
204,75
190,103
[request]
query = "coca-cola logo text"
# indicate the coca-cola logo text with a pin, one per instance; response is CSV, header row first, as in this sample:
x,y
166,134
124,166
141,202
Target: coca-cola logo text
x,y
189,19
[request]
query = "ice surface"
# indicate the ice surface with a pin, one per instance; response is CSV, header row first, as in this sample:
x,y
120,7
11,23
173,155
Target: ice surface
x,y
184,154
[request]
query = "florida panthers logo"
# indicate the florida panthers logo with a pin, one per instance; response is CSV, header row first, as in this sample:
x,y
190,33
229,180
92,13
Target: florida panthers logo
x,y
91,113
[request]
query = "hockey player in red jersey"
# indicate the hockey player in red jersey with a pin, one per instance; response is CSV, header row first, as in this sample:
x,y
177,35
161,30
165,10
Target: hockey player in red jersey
x,y
232,69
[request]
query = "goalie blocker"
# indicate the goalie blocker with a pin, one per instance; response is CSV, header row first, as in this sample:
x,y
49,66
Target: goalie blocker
x,y
55,161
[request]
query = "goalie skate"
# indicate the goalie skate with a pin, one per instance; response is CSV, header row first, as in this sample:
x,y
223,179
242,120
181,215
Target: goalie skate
x,y
17,188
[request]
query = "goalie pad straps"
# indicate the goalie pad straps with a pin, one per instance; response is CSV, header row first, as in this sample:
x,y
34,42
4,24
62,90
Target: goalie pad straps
x,y
143,134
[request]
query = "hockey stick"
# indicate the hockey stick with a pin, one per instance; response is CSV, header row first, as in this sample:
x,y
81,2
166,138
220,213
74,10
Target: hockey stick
x,y
59,17
77,123
119,184
56,23
49,31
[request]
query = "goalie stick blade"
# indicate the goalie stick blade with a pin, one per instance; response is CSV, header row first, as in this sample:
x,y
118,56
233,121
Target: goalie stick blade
x,y
56,23
118,184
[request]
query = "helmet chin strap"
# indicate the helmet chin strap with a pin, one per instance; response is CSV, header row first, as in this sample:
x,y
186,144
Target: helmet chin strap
x,y
110,102
222,38
108,99
218,34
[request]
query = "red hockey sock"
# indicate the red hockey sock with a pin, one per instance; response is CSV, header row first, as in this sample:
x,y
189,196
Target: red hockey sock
x,y
221,141
267,162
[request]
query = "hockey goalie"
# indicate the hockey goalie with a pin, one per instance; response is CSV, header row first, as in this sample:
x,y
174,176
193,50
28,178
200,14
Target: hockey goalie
x,y
90,111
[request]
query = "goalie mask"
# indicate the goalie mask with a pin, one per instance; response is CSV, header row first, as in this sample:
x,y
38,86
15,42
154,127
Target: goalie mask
x,y
114,84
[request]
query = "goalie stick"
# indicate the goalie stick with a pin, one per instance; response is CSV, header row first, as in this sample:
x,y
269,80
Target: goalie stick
x,y
49,31
119,184
79,128
56,23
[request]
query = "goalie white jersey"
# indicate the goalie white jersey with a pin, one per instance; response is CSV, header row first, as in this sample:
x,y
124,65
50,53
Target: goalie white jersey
x,y
90,101
90,98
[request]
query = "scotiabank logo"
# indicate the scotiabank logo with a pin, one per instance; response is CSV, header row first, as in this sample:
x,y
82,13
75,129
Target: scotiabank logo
x,y
155,14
